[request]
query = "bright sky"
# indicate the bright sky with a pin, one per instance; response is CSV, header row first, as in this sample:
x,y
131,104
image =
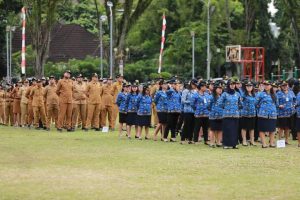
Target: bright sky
x,y
272,8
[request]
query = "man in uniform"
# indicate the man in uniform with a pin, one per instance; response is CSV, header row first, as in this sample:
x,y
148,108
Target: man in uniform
x,y
64,91
153,89
79,103
107,103
24,103
93,92
51,102
30,109
37,95
2,103
17,104
117,88
9,106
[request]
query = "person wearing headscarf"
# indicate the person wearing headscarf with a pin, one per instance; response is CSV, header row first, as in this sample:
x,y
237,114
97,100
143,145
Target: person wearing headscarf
x,y
230,103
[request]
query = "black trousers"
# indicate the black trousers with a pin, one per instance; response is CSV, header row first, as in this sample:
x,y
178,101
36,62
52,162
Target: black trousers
x,y
172,120
256,132
188,126
201,122
293,124
180,122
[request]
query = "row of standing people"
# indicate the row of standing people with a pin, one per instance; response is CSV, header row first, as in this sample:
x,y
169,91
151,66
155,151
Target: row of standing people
x,y
225,115
68,103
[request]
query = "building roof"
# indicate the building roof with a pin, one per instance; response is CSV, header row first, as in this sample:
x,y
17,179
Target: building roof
x,y
67,41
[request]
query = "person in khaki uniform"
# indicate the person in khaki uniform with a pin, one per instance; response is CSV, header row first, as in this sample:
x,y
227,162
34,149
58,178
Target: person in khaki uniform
x,y
79,103
153,89
24,103
94,92
51,102
107,103
37,95
117,88
9,115
30,109
2,104
17,104
65,93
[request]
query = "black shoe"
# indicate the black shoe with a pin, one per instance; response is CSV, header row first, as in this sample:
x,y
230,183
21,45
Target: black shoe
x,y
59,130
236,147
136,137
264,147
69,130
219,145
272,146
146,138
37,128
97,129
212,146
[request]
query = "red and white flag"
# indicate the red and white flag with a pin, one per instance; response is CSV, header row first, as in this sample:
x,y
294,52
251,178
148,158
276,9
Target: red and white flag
x,y
23,62
163,39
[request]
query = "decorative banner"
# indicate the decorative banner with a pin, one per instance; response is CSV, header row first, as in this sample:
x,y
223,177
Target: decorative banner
x,y
23,62
163,39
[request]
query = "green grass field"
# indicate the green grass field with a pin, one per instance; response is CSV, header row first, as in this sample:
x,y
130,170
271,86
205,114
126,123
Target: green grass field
x,y
50,165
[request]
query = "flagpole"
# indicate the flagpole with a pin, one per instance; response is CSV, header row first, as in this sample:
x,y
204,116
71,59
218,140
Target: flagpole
x,y
163,39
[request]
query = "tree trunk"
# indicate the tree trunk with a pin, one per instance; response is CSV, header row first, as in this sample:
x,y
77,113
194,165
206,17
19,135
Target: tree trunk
x,y
228,21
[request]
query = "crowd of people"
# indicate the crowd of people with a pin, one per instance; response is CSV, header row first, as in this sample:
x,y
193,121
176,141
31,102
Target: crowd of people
x,y
222,113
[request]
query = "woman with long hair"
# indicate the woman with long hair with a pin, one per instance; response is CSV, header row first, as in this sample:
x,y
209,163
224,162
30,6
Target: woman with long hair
x,y
215,116
131,104
230,102
188,111
144,102
248,114
267,114
161,102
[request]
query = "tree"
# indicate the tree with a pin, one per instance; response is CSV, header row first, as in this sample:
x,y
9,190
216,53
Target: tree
x,y
42,15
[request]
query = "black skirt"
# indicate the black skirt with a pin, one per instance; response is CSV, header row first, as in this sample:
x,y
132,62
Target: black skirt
x,y
215,124
230,127
122,117
162,117
297,124
131,119
247,123
266,125
284,123
143,120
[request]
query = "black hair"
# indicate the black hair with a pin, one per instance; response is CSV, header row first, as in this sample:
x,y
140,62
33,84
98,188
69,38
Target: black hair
x,y
214,93
144,90
252,92
273,95
137,91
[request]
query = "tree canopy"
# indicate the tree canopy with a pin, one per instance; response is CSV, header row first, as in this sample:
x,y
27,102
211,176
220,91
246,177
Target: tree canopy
x,y
137,31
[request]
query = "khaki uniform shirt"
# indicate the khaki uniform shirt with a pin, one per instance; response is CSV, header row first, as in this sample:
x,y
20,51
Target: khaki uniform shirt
x,y
50,95
37,94
65,90
107,96
22,93
94,92
79,93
